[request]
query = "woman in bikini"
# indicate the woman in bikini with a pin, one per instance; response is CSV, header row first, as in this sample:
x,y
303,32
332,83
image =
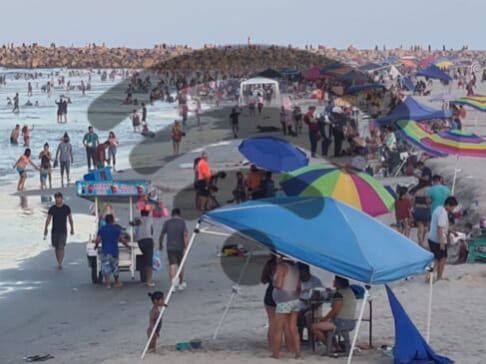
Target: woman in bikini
x,y
45,167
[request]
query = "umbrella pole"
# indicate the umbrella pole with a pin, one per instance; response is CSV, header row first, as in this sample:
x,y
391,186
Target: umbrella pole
x,y
234,291
172,288
358,324
429,313
455,175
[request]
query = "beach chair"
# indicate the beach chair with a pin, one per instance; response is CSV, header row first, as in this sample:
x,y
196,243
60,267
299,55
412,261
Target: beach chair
x,y
476,249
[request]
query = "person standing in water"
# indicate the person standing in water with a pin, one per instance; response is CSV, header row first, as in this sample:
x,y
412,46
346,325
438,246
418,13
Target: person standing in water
x,y
29,89
112,149
45,167
26,134
14,135
64,154
21,166
16,102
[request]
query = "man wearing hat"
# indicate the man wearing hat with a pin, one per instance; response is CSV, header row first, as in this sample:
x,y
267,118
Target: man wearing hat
x,y
59,213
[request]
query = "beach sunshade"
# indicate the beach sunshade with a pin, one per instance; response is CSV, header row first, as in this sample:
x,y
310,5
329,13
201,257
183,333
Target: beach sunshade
x,y
327,234
414,133
407,83
313,74
408,63
353,187
477,102
411,109
410,346
434,72
442,97
457,142
270,73
273,154
444,64
366,87
353,76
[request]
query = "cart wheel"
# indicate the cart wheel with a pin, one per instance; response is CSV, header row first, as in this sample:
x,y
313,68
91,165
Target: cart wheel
x,y
95,275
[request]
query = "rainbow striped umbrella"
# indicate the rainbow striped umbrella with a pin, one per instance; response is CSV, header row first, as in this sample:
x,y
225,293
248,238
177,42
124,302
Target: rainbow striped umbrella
x,y
457,142
478,102
350,186
415,133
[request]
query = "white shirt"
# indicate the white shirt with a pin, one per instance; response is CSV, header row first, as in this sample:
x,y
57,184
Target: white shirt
x,y
440,219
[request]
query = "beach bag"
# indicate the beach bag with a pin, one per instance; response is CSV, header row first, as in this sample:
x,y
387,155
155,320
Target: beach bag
x,y
157,265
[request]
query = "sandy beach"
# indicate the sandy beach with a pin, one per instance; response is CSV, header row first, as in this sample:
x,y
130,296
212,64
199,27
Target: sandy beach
x,y
64,314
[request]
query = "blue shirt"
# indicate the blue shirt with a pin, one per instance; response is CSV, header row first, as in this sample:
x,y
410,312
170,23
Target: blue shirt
x,y
438,194
109,235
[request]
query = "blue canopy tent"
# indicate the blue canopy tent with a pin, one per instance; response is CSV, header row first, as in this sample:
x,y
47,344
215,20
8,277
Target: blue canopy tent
x,y
435,72
353,76
369,86
370,67
411,109
410,346
324,233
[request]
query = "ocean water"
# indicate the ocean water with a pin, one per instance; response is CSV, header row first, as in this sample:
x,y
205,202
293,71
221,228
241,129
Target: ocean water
x,y
22,218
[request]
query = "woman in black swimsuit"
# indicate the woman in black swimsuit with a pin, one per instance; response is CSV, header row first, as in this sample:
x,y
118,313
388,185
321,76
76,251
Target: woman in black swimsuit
x,y
421,214
267,278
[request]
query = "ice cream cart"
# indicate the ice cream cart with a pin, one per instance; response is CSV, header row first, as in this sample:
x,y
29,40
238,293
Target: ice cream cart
x,y
99,186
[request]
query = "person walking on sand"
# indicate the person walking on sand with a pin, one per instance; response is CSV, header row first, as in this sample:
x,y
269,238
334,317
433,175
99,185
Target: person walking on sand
x,y
144,231
177,134
90,142
21,166
439,230
45,167
109,235
235,121
135,117
177,239
59,214
64,155
112,149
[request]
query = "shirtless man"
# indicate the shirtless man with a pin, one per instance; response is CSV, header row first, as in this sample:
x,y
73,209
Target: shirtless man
x,y
14,135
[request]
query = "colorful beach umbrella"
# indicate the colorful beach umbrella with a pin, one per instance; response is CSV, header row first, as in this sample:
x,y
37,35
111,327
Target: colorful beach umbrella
x,y
457,142
350,186
477,102
415,133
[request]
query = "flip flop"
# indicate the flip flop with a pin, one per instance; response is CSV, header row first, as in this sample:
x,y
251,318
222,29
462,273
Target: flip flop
x,y
37,358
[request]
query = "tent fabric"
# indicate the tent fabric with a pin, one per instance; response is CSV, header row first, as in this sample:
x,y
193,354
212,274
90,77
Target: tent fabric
x,y
273,154
353,76
415,134
313,74
369,86
477,102
370,67
262,81
434,72
327,234
407,83
411,109
410,346
270,73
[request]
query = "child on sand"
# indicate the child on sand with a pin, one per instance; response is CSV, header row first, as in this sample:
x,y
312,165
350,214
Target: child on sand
x,y
403,211
21,165
157,298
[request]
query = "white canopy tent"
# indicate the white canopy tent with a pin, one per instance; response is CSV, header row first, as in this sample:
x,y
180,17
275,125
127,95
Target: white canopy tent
x,y
260,81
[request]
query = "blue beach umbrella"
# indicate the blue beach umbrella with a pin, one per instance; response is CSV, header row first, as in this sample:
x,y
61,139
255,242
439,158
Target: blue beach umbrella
x,y
273,154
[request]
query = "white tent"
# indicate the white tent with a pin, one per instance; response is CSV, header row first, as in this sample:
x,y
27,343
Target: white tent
x,y
260,81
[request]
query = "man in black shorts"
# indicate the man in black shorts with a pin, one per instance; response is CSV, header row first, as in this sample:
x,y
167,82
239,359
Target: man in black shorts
x,y
177,239
59,214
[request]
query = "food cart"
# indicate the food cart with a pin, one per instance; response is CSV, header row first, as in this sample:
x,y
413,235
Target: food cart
x,y
99,186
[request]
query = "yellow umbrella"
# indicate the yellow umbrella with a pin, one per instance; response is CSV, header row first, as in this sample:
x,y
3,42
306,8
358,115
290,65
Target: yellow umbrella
x,y
444,64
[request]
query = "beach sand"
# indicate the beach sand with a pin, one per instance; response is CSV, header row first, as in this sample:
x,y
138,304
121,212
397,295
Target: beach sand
x,y
62,313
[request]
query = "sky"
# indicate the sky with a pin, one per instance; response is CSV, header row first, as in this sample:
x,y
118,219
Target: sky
x,y
334,23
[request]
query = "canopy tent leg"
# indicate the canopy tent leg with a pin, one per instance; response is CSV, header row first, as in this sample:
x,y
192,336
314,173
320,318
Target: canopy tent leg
x,y
234,291
358,324
429,312
172,287
132,252
455,176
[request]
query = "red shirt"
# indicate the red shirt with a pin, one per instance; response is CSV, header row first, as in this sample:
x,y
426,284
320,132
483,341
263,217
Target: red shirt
x,y
307,119
402,209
